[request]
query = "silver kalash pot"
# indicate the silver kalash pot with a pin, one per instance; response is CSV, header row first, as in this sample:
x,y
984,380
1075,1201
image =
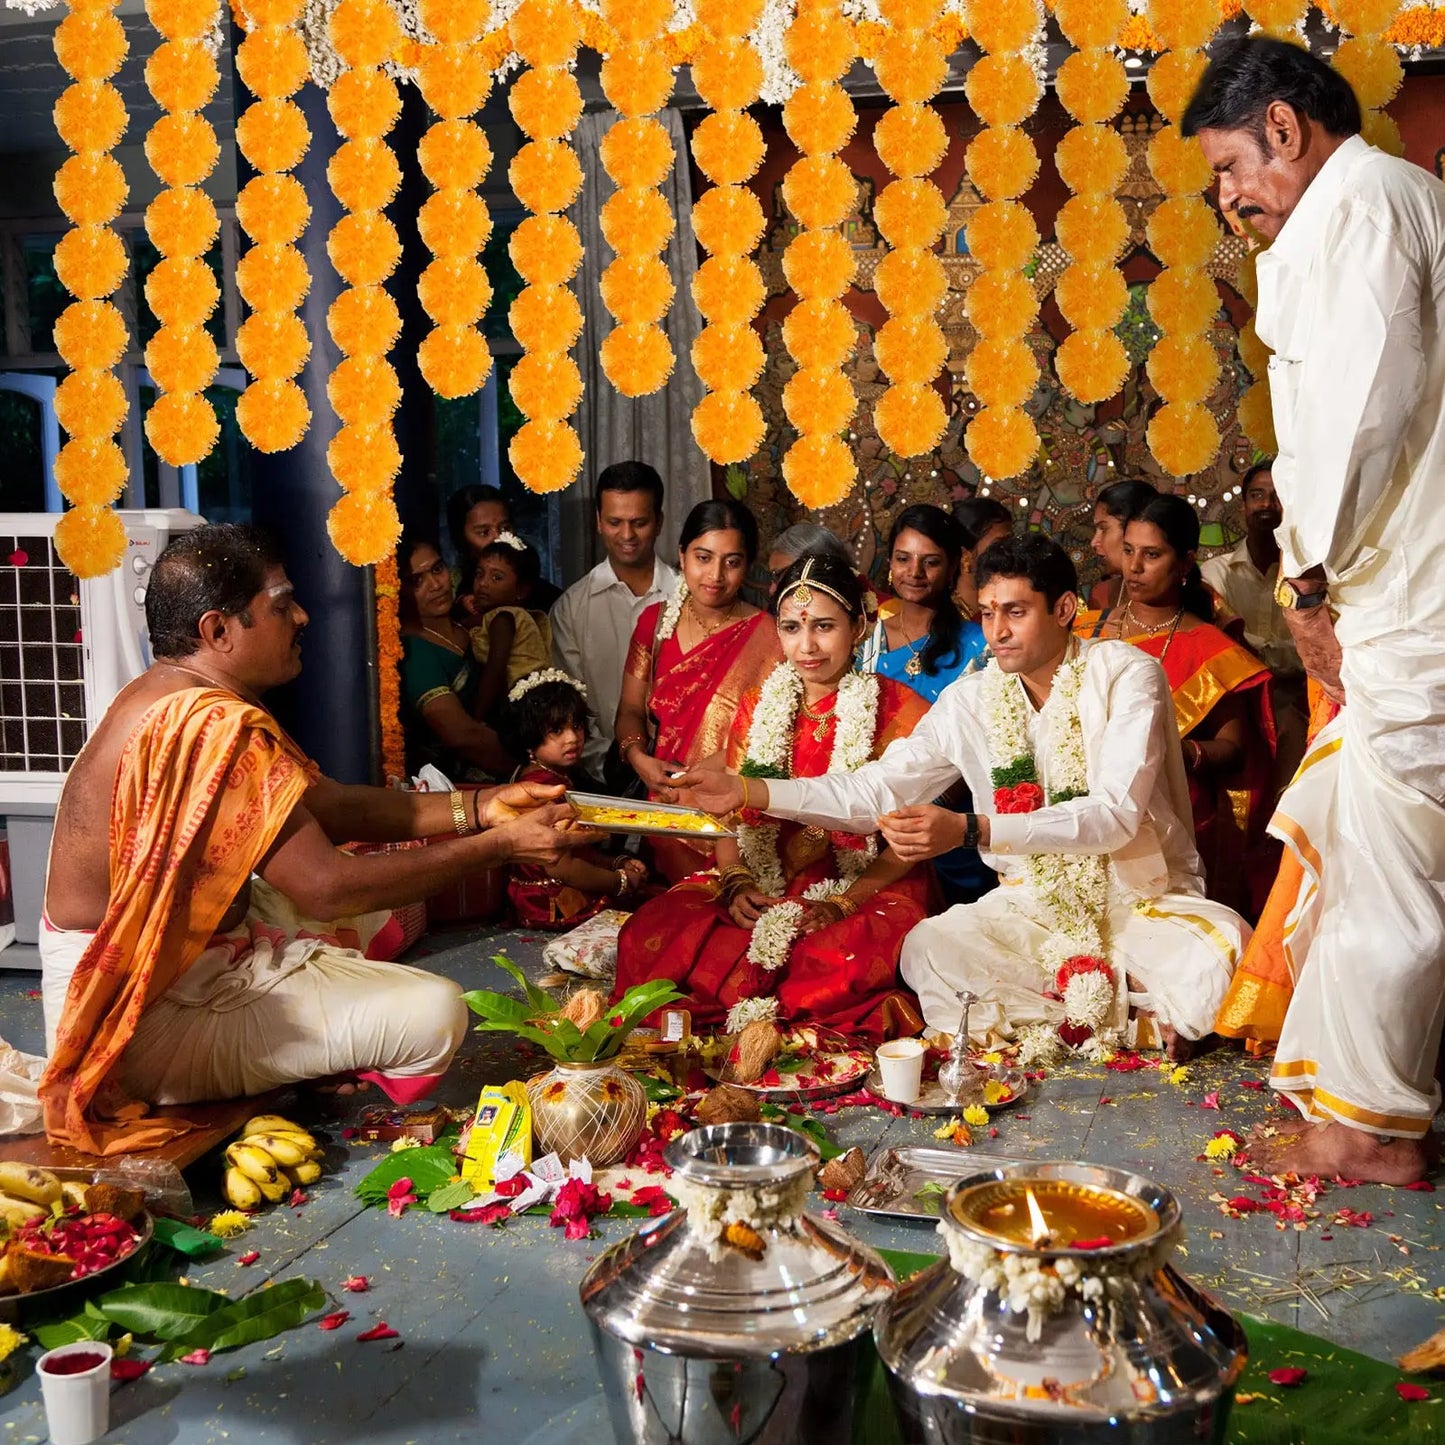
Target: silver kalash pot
x,y
1019,1337
737,1316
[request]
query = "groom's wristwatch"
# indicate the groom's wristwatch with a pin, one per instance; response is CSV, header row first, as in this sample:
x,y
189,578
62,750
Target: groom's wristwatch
x,y
1289,596
970,830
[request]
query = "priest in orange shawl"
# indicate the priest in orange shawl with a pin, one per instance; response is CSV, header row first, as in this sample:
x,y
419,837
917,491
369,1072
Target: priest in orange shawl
x,y
797,924
690,663
174,989
1221,694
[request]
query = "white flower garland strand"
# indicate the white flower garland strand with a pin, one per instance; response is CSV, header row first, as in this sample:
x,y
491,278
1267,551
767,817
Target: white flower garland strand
x,y
760,1007
1071,890
1035,1285
672,614
710,1208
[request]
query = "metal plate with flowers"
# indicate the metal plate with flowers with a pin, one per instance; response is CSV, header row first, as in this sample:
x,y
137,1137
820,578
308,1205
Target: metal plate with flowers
x,y
814,1075
908,1181
628,815
998,1086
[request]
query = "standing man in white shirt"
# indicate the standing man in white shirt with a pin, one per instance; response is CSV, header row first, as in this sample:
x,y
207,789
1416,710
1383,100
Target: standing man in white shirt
x,y
1351,299
1100,915
1245,581
593,620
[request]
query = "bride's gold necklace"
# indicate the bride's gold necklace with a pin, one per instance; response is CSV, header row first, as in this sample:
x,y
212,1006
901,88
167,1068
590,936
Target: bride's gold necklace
x,y
821,718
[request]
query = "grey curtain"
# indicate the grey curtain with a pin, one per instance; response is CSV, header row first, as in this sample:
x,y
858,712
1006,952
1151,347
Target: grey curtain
x,y
655,429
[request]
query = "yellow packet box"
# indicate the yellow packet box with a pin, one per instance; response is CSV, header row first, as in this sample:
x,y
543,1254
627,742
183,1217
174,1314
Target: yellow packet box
x,y
503,1125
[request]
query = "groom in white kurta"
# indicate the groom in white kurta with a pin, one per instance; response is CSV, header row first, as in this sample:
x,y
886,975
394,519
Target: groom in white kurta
x,y
1351,295
1179,947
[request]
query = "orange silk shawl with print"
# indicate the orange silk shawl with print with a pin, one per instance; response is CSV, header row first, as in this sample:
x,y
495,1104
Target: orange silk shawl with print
x,y
204,785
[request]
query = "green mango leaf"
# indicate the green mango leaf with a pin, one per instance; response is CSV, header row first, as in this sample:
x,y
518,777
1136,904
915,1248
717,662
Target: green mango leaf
x,y
69,1332
806,1125
259,1316
451,1196
542,1002
428,1167
159,1311
498,1008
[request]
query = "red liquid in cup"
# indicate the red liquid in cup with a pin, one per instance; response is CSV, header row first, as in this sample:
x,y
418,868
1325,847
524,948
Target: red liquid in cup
x,y
76,1364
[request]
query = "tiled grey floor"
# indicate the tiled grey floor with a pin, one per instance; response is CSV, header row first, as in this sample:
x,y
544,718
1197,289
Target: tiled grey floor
x,y
494,1347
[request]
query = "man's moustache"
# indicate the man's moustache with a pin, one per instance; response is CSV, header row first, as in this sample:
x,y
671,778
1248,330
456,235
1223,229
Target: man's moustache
x,y
1246,213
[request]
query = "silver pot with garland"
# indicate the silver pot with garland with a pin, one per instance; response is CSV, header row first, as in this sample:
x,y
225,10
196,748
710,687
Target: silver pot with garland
x,y
1058,1317
737,1317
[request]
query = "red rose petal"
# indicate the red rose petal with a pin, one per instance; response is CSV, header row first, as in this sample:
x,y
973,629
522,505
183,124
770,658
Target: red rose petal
x,y
333,1321
1289,1376
1210,1100
197,1357
128,1369
379,1331
19,557
298,1198
250,1257
1413,1393
1422,1186
356,1284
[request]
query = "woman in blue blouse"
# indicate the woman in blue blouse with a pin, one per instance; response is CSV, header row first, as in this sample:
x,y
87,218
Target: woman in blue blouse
x,y
921,638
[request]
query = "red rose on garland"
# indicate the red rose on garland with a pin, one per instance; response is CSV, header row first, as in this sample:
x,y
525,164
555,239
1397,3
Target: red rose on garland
x,y
1021,798
1078,964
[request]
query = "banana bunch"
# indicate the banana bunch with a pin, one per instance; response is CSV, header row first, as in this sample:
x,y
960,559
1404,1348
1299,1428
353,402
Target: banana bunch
x,y
26,1192
272,1157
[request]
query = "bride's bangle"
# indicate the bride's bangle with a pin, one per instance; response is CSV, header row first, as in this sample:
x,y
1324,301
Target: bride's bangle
x,y
742,778
846,905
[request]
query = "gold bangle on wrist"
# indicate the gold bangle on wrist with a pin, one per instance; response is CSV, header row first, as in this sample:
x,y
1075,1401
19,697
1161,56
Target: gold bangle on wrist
x,y
742,778
459,814
846,905
625,745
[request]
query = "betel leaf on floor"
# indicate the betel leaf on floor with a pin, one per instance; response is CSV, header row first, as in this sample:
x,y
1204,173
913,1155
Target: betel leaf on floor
x,y
452,1195
428,1166
1346,1398
246,1321
159,1311
54,1333
807,1125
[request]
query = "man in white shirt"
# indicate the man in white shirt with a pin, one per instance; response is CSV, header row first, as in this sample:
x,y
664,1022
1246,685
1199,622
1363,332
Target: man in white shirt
x,y
593,620
1090,830
1351,294
1245,581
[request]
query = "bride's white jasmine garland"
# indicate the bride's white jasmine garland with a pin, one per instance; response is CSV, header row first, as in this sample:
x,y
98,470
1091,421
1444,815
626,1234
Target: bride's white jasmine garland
x,y
672,614
745,1011
777,930
1070,890
1038,1285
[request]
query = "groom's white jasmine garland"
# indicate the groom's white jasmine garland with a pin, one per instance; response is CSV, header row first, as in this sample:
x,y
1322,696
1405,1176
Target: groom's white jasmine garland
x,y
769,754
1071,890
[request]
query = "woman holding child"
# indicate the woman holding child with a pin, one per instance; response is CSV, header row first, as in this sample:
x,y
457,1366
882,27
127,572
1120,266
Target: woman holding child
x,y
691,661
798,923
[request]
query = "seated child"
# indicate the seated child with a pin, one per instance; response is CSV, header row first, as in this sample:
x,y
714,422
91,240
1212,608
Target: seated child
x,y
545,721
509,641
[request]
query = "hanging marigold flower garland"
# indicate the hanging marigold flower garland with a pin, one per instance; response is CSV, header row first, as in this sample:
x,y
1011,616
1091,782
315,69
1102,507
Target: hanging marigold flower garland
x,y
91,262
1092,86
911,65
637,219
364,248
1183,434
1002,164
728,222
819,263
182,223
1369,62
546,249
272,277
386,585
454,222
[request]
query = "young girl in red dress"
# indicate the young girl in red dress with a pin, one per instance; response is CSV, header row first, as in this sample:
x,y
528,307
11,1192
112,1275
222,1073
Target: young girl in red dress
x,y
545,721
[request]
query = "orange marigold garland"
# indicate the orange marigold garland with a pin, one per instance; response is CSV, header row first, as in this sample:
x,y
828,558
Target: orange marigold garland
x,y
1002,163
386,582
90,261
728,221
1092,85
182,225
273,135
819,467
1183,233
454,291
546,249
364,249
637,153
1369,62
910,139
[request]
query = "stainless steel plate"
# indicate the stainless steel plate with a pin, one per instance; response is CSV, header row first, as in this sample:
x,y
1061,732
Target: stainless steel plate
x,y
705,828
934,1101
896,1174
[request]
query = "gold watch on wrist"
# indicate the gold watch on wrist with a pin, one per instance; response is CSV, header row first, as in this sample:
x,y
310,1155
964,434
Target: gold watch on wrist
x,y
1291,599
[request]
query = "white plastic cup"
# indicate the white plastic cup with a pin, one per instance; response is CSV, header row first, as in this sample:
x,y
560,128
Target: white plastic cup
x,y
900,1062
77,1407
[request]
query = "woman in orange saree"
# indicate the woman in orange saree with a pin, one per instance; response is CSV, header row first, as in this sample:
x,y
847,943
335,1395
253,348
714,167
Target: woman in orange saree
x,y
690,663
1221,698
798,924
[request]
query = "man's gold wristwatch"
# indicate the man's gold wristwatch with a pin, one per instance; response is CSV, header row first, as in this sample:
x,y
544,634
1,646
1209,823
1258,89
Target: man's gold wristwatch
x,y
1291,599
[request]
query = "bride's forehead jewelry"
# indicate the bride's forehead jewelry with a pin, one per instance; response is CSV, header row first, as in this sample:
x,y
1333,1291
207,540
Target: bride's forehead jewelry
x,y
802,590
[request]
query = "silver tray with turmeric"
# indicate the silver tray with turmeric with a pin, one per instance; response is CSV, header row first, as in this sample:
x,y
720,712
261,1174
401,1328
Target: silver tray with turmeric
x,y
909,1181
632,815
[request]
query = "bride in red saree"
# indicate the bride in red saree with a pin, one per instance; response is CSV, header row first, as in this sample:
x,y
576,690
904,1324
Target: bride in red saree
x,y
797,924
1221,696
690,663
